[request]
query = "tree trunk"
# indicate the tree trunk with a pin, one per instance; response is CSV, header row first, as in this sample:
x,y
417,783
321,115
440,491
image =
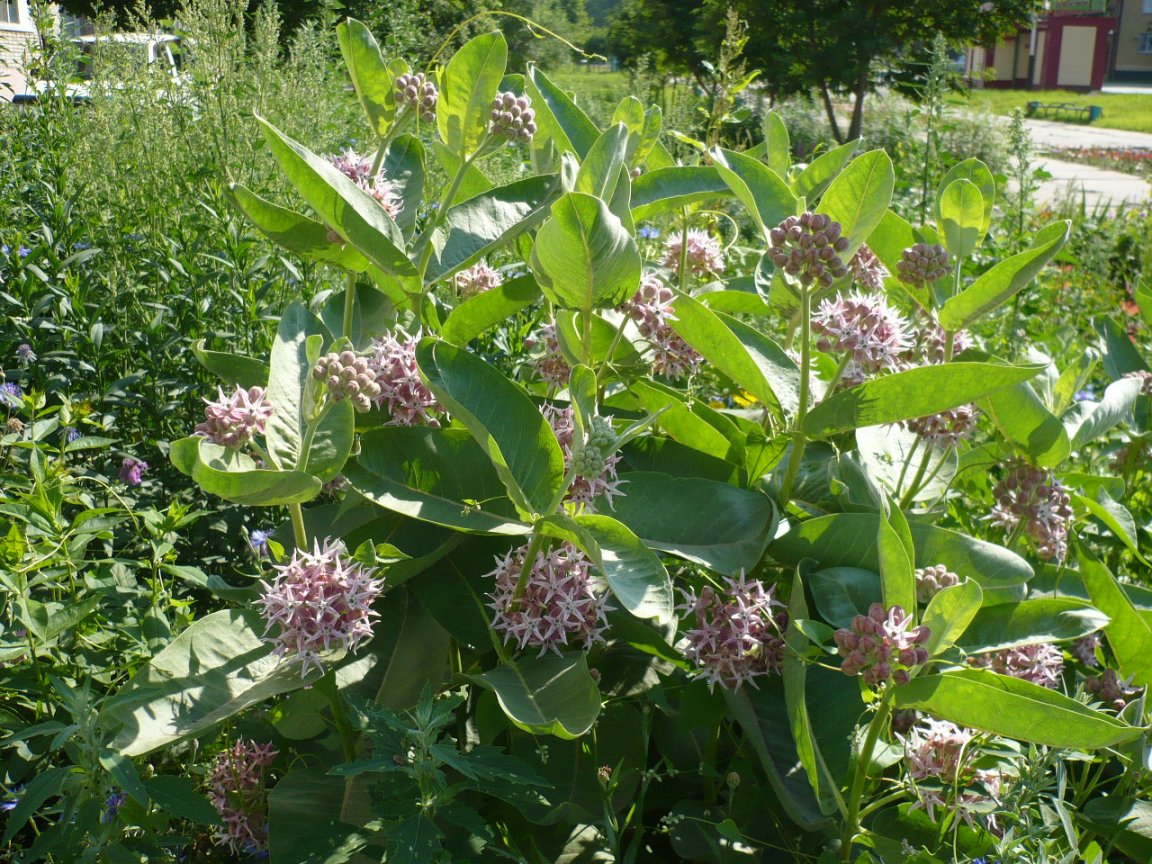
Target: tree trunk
x,y
857,124
831,113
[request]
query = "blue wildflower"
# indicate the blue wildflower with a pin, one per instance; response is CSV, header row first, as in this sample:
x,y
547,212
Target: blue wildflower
x,y
1086,394
4,250
71,433
23,251
11,394
258,540
25,354
112,806
80,247
648,232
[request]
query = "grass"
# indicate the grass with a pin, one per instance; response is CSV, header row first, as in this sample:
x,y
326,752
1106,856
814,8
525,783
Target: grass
x,y
1130,111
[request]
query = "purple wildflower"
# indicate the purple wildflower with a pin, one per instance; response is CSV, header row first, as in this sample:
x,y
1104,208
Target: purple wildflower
x,y
477,279
71,433
550,365
112,805
561,602
584,489
940,760
1033,497
231,421
407,397
319,598
358,169
23,251
25,354
651,309
738,634
238,793
1041,663
882,646
258,541
648,232
132,471
11,395
865,326
704,255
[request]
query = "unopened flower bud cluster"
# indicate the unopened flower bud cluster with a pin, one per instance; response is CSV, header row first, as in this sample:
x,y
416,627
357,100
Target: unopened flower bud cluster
x,y
739,632
882,646
415,91
348,376
808,248
588,457
512,117
922,264
231,421
930,581
1111,690
592,456
1033,497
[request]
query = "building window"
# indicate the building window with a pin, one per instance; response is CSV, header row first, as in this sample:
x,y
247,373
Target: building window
x,y
9,11
1148,7
1146,43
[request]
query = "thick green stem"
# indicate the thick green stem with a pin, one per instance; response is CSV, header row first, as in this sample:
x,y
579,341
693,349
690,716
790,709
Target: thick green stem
x,y
917,480
534,544
949,345
684,250
299,535
907,462
799,439
349,304
860,775
327,685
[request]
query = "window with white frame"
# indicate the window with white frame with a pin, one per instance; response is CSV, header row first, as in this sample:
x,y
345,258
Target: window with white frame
x,y
9,11
1146,43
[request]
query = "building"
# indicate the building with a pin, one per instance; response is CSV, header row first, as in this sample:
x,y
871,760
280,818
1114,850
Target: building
x,y
17,32
1073,45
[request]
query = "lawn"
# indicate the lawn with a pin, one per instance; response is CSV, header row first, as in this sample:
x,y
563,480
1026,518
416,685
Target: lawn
x,y
1132,111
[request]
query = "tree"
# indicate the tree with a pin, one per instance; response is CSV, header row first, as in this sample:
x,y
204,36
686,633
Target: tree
x,y
834,47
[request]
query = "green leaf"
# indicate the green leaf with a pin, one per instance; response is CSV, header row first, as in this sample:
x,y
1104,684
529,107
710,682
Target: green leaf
x,y
584,258
859,196
1014,708
842,593
510,428
1043,619
600,169
491,219
212,671
549,695
371,77
822,170
603,338
949,613
353,213
475,182
635,575
1119,399
777,146
45,784
65,619
912,393
750,359
1004,280
847,540
667,190
1116,517
1129,633
232,369
467,87
976,172
235,477
684,424
304,824
403,165
484,311
177,796
568,126
895,550
723,527
294,231
435,475
1021,417
761,190
961,218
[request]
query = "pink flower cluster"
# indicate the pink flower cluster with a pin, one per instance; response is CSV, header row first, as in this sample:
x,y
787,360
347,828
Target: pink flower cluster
x,y
808,248
930,581
551,365
864,325
407,397
704,255
231,421
1041,663
358,169
1084,649
1033,497
561,602
236,790
319,599
868,271
651,309
584,490
882,646
940,762
477,279
738,634
947,427
1111,690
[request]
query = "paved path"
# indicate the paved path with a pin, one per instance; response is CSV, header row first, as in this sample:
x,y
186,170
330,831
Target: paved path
x,y
1095,186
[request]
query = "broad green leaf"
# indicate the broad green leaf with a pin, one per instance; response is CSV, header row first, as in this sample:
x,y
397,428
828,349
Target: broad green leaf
x,y
474,183
1004,280
491,219
884,451
1116,517
1014,708
179,797
232,369
373,313
1127,823
761,190
1129,633
665,190
1120,355
373,80
630,112
212,671
848,540
842,593
750,359
468,85
44,784
1021,417
600,169
736,301
949,613
777,146
304,823
518,440
722,527
1119,399
896,554
568,126
235,477
912,393
294,231
649,150
548,695
685,425
485,310
353,213
859,196
633,572
1073,379
435,475
603,339
1043,619
976,172
65,619
822,170
404,167
961,218
584,258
